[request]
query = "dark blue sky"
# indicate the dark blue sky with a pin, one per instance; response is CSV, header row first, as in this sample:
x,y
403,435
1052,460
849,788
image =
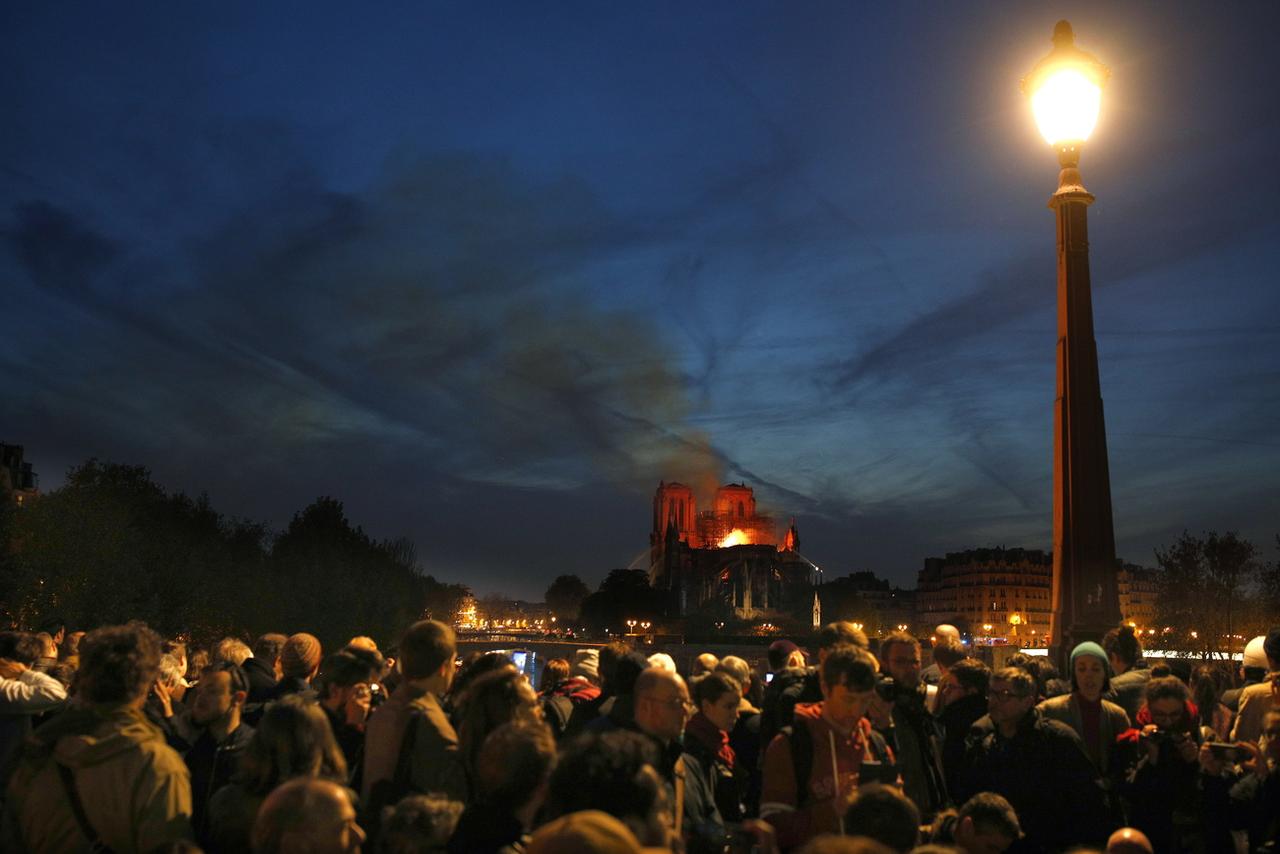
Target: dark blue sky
x,y
487,272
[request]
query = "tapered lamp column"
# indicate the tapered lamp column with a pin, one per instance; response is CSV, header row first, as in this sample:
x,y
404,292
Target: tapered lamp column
x,y
1065,90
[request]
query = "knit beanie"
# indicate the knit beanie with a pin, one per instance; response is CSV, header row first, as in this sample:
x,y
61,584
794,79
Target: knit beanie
x,y
1091,648
586,663
300,656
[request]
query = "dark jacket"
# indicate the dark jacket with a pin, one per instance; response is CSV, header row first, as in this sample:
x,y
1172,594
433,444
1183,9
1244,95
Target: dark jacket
x,y
1129,689
1045,775
211,765
1255,807
789,687
914,739
1162,798
351,741
262,679
956,720
485,829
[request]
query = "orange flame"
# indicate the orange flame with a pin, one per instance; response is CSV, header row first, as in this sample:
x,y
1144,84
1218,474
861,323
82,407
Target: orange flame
x,y
737,537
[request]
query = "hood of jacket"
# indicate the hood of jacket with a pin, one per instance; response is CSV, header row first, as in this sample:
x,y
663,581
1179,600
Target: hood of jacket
x,y
82,737
576,689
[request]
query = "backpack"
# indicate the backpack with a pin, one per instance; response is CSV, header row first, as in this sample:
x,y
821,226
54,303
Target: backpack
x,y
800,740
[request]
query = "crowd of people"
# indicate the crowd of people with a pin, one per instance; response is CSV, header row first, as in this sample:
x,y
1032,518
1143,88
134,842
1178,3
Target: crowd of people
x,y
118,740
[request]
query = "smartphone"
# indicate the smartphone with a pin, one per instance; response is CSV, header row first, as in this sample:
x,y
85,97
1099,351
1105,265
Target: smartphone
x,y
768,677
877,772
1225,752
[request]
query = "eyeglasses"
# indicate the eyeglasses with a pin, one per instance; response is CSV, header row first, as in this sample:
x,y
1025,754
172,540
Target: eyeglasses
x,y
1005,695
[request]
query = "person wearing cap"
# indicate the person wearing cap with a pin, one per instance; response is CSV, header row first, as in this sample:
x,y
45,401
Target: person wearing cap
x,y
1257,700
1097,721
1253,669
299,663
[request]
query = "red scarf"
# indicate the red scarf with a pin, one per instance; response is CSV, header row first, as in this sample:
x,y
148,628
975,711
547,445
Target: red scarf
x,y
710,736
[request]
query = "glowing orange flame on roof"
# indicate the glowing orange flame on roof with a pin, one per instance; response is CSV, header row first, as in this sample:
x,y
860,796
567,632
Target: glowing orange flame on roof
x,y
737,537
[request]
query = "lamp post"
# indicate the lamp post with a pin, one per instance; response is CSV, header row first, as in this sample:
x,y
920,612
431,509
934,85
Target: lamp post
x,y
1065,89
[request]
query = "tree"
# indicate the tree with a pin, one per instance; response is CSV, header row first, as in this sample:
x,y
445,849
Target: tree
x,y
564,596
624,594
1205,587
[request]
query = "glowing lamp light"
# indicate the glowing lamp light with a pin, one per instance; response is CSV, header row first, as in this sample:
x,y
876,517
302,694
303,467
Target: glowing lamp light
x,y
1065,89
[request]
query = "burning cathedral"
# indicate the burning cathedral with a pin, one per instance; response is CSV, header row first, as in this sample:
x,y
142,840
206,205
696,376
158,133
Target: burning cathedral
x,y
727,560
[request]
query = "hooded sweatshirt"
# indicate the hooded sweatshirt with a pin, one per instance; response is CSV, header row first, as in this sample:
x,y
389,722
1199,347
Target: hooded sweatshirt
x,y
135,788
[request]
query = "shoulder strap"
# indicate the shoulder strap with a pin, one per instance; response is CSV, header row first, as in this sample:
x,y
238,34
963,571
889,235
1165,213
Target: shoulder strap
x,y
800,740
96,844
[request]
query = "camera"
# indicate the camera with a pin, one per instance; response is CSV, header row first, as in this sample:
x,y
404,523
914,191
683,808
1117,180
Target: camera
x,y
1165,736
887,689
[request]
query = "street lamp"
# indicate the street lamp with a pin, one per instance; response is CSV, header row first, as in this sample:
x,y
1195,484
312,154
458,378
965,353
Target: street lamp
x,y
1065,89
631,626
858,626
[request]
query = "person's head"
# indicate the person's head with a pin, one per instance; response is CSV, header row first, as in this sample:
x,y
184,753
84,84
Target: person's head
x,y
1010,696
514,766
886,815
900,658
704,663
848,681
48,648
555,671
662,705
584,832
301,656
267,649
22,647
614,772
607,660
718,696
1090,671
176,648
1205,686
966,678
496,698
1271,648
1129,840
626,670
197,660
1167,702
779,653
986,824
427,650
293,739
586,664
230,649
343,675
738,669
69,649
945,630
54,626
839,633
946,652
171,670
829,843
662,660
363,642
1253,664
118,664
307,816
220,695
1122,648
418,824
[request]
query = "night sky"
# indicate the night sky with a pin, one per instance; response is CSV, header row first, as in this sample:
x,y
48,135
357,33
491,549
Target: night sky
x,y
487,272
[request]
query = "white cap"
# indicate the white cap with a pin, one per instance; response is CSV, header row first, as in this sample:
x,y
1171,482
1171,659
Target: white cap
x,y
1254,654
